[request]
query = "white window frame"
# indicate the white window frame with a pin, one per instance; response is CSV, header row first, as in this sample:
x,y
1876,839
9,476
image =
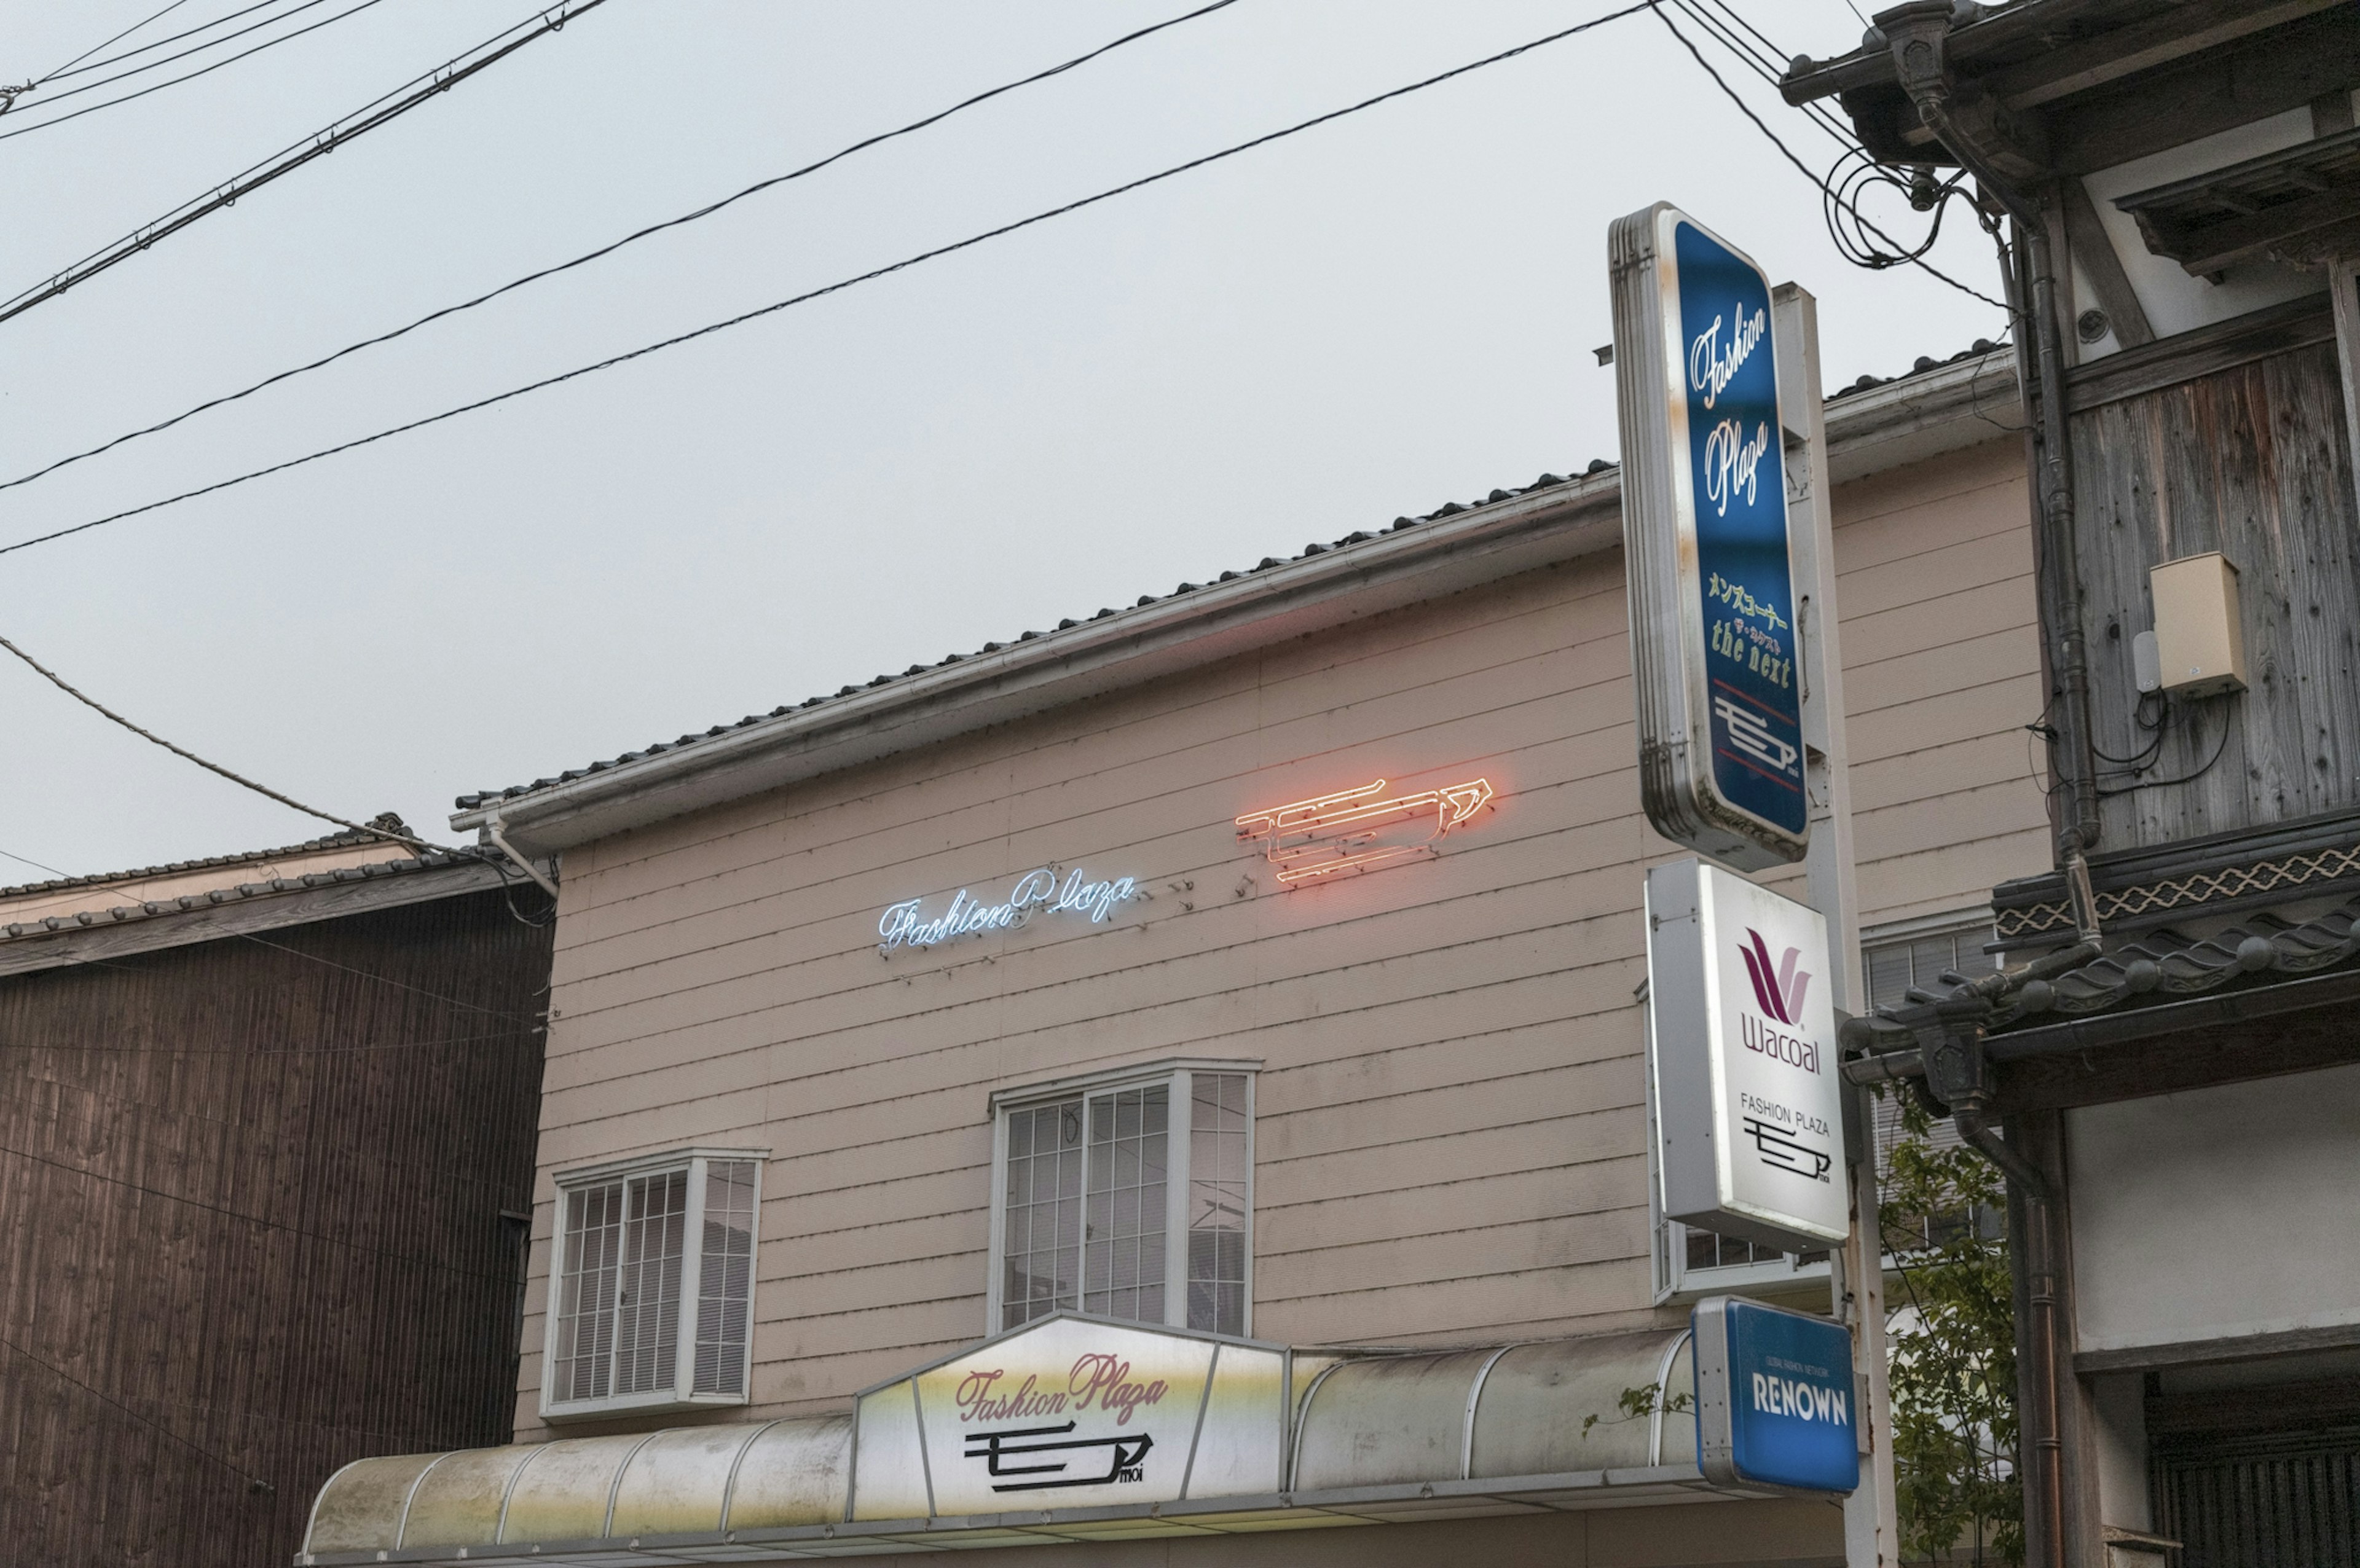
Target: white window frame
x,y
1178,1072
681,1395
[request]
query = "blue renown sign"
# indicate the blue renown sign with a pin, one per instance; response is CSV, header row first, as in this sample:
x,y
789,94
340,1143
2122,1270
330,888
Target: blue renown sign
x,y
1775,1398
1737,478
1714,641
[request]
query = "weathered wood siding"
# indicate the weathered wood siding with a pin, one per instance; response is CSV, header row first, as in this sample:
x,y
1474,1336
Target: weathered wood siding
x,y
1450,1119
249,1205
2251,461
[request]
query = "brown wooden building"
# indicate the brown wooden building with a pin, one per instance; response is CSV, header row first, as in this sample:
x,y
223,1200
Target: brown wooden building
x,y
2169,1073
266,1131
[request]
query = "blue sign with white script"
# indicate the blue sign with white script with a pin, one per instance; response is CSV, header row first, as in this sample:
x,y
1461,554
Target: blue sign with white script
x,y
1775,1398
1737,473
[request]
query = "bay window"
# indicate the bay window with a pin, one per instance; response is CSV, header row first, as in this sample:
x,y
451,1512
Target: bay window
x,y
651,1287
1127,1195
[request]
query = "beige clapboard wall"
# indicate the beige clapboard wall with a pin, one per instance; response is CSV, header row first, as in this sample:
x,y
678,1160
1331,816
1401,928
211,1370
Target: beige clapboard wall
x,y
1449,1139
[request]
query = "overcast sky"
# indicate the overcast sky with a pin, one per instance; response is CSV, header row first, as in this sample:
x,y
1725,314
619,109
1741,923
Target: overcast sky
x,y
1371,318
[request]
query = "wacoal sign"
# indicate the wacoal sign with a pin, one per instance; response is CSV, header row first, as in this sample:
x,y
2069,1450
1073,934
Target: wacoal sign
x,y
1072,1411
1749,1110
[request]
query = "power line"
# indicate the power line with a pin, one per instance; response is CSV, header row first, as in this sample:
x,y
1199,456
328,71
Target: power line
x,y
254,1482
117,39
367,118
839,287
194,48
1769,66
437,1267
70,68
28,860
175,81
60,681
1747,109
260,1050
704,212
386,980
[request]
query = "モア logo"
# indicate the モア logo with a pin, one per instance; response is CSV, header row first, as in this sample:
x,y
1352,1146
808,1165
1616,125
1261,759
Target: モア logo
x,y
1779,991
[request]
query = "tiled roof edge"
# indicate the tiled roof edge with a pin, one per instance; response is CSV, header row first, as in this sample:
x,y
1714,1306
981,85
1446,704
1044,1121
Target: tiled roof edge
x,y
86,919
343,838
483,801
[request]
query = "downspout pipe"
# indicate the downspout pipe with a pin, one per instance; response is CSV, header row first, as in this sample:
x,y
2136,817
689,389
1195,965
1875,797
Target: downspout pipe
x,y
1951,1060
1915,34
495,831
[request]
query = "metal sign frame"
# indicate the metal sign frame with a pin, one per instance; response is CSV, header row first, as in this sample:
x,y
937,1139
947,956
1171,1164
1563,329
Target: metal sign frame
x,y
1777,1403
1741,1060
1708,543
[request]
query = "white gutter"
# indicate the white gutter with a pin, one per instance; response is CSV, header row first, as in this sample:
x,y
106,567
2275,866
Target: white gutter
x,y
1947,408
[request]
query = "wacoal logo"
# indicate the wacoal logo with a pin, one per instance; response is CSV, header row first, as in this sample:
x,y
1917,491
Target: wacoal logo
x,y
1780,993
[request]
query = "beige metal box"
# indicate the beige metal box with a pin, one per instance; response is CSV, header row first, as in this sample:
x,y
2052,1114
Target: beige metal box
x,y
2199,642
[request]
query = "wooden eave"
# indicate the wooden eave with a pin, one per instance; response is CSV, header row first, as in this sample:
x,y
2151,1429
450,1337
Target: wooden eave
x,y
2240,212
2092,73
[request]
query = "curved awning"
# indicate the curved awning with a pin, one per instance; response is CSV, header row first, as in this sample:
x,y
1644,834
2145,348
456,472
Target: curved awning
x,y
1070,1428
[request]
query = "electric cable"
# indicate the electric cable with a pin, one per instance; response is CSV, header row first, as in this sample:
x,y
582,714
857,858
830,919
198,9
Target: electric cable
x,y
529,1022
707,211
1747,109
388,980
255,1484
54,678
110,43
28,860
367,117
839,287
440,1267
105,82
260,1050
175,81
2219,747
75,67
1770,67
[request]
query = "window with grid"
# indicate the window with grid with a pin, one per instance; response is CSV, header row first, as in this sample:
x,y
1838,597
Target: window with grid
x,y
1133,1201
1894,969
652,1298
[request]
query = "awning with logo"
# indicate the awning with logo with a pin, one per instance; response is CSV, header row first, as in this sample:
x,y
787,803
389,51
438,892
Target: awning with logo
x,y
1071,1428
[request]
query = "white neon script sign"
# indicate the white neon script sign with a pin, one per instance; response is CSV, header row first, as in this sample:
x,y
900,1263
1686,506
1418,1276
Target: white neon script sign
x,y
904,925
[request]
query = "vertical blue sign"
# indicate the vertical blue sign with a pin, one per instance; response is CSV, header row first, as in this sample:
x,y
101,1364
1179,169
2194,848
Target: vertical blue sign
x,y
1715,643
1775,1398
1738,489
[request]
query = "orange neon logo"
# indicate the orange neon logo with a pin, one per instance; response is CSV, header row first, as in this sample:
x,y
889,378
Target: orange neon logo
x,y
1353,829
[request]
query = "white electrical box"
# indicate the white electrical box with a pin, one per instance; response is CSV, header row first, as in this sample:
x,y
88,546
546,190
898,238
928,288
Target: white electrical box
x,y
2200,641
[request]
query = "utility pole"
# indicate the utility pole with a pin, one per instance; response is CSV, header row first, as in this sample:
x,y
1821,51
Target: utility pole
x,y
1856,1272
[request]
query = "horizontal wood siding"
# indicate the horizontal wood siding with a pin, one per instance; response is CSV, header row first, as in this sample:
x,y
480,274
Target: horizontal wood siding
x,y
1450,1133
1941,673
2251,461
249,1225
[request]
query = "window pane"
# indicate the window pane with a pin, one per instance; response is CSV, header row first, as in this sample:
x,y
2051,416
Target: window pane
x,y
725,1295
586,1313
1218,1224
1042,1204
1123,1246
647,1299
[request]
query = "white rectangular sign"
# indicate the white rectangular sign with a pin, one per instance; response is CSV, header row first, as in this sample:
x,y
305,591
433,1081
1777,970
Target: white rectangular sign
x,y
1742,1059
